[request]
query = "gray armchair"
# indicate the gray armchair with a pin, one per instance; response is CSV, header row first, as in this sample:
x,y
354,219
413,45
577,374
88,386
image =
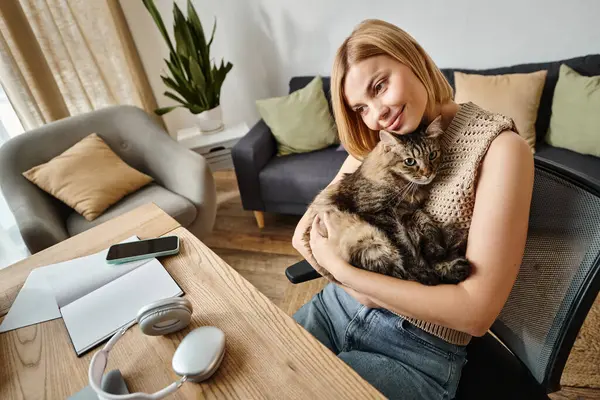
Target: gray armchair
x,y
183,187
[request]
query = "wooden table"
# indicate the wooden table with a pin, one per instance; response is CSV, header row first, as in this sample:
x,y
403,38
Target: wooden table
x,y
267,355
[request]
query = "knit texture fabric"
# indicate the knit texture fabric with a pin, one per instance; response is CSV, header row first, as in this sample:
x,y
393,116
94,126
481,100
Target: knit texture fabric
x,y
452,195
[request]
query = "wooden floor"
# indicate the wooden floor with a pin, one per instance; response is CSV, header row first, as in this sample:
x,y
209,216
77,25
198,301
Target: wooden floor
x,y
262,256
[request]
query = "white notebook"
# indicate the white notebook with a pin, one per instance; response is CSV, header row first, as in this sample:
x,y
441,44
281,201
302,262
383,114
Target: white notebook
x,y
94,298
49,288
93,318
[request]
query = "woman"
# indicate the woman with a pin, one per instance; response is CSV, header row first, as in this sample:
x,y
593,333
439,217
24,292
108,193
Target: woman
x,y
408,339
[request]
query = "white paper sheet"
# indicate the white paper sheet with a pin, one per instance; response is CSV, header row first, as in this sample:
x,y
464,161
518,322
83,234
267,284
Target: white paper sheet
x,y
51,287
97,315
35,303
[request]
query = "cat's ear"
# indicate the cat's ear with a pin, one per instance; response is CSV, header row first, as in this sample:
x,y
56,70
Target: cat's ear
x,y
388,140
435,128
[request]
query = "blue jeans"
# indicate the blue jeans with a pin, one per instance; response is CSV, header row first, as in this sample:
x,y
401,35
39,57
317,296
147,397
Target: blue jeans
x,y
399,359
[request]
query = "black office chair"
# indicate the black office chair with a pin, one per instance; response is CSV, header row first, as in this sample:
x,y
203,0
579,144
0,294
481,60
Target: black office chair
x,y
556,286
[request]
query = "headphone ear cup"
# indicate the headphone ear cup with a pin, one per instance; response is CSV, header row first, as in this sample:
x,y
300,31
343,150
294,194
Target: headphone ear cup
x,y
165,320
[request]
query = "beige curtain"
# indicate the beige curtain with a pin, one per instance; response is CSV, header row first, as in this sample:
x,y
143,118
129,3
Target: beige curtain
x,y
65,57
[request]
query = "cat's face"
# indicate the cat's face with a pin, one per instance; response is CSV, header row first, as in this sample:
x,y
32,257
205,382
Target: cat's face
x,y
416,156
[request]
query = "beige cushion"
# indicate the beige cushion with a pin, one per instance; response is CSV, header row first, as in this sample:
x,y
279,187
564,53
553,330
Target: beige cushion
x,y
89,177
515,95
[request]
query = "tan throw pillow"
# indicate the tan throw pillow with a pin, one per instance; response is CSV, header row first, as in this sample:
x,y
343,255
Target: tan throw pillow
x,y
515,95
88,177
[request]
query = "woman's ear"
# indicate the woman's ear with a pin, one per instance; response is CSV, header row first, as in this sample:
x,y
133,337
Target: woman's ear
x,y
388,140
435,128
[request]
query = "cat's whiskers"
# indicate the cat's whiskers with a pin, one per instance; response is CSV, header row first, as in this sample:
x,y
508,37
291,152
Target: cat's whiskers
x,y
409,188
412,189
415,187
398,197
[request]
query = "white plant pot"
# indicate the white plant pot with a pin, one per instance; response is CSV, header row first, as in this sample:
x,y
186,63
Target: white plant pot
x,y
210,121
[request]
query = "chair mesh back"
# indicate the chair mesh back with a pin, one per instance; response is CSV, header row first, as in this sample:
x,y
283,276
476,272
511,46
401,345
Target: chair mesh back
x,y
562,249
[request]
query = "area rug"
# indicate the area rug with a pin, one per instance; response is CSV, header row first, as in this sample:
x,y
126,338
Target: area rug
x,y
583,365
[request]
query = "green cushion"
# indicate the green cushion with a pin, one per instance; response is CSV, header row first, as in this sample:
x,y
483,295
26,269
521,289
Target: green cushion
x,y
575,121
301,121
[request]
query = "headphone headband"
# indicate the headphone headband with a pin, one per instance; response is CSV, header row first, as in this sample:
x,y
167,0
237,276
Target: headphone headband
x,y
178,310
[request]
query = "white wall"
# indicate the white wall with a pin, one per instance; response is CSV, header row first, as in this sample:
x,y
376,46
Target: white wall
x,y
269,41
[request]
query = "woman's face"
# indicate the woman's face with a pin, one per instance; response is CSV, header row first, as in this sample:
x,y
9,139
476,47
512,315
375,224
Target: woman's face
x,y
386,94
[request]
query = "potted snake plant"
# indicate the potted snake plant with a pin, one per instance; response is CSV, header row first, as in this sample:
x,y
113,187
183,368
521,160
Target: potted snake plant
x,y
194,80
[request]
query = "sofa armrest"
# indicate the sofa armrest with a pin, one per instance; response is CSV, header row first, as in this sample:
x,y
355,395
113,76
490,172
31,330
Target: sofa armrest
x,y
187,173
174,167
250,155
37,214
39,224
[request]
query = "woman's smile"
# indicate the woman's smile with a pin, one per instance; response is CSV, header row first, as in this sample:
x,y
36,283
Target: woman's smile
x,y
396,121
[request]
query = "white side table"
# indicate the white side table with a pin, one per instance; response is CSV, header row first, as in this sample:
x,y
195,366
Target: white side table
x,y
214,147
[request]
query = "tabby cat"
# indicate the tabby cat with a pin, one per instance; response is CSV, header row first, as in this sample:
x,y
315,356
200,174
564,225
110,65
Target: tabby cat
x,y
377,210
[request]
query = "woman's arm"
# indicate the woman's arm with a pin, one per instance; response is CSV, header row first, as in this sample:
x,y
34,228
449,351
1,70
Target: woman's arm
x,y
350,165
495,247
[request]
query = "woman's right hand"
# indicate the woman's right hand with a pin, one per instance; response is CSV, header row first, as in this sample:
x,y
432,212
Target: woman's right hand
x,y
349,166
300,244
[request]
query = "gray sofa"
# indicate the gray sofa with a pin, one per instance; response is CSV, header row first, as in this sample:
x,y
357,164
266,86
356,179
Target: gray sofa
x,y
184,187
288,184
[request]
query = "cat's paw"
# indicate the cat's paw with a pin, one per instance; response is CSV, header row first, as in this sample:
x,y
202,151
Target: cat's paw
x,y
433,251
432,243
454,271
455,238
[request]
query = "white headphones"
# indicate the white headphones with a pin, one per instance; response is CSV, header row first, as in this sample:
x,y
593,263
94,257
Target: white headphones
x,y
197,357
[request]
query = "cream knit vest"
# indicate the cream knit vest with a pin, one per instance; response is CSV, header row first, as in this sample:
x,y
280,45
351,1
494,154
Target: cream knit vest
x,y
452,194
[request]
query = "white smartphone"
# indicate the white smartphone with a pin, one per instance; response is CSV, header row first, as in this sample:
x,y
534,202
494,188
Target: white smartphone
x,y
125,252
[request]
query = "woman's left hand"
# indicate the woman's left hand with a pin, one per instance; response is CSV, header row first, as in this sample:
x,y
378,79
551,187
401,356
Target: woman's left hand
x,y
325,247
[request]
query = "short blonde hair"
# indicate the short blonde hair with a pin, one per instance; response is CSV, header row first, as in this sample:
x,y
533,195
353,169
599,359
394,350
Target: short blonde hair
x,y
373,38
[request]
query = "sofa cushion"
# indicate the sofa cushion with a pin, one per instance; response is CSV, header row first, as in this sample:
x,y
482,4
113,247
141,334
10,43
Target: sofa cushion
x,y
515,95
298,178
298,82
575,121
586,66
301,121
178,207
588,165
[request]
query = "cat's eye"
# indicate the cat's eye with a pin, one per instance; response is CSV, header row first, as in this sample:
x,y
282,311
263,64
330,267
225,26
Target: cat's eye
x,y
433,155
410,162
